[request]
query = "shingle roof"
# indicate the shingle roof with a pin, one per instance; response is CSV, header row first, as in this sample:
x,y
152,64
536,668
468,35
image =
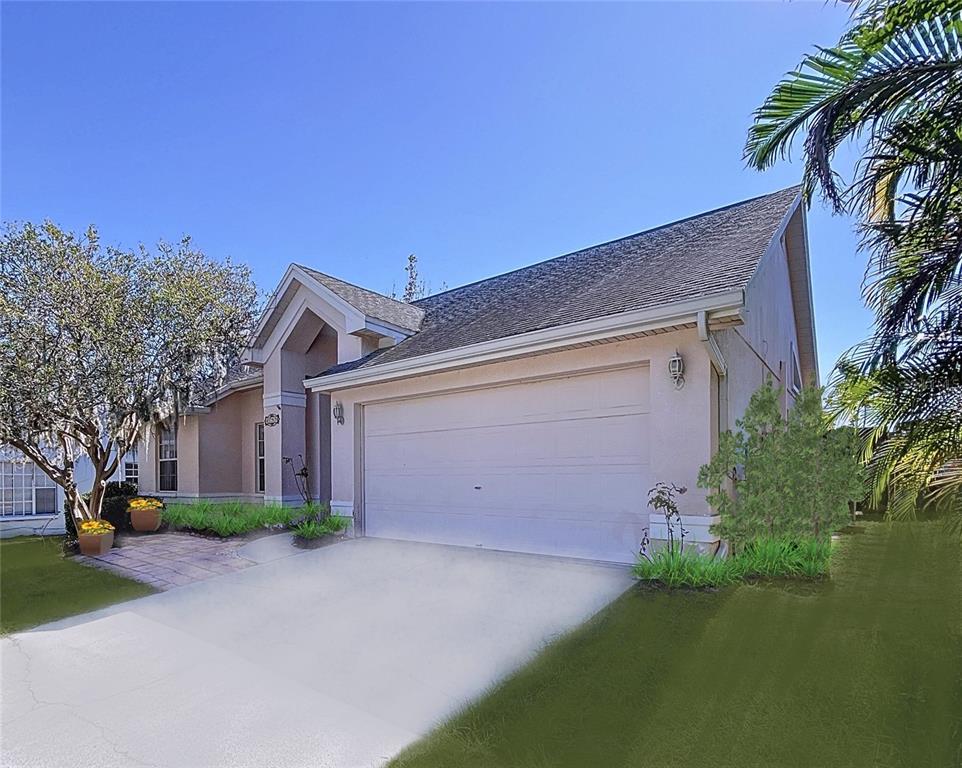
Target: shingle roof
x,y
711,253
372,304
238,377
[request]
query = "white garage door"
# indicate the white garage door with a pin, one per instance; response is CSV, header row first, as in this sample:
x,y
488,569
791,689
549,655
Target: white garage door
x,y
556,466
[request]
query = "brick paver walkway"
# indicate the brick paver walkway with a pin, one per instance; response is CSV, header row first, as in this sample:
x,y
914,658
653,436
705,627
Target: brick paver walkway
x,y
166,560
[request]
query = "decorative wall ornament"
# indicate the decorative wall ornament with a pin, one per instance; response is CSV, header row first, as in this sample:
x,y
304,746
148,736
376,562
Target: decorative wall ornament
x,y
272,420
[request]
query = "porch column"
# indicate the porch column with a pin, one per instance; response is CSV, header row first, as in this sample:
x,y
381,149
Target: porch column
x,y
284,435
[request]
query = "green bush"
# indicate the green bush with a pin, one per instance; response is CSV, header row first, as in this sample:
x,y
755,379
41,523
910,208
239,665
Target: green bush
x,y
686,568
228,518
760,559
113,509
781,479
774,558
315,529
120,488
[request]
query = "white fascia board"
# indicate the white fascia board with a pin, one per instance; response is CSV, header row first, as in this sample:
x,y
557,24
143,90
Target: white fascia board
x,y
388,330
354,319
808,284
683,312
271,305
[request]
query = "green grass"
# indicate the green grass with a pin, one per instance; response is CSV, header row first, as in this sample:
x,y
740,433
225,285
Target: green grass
x,y
779,558
228,518
315,529
863,669
762,559
37,584
687,568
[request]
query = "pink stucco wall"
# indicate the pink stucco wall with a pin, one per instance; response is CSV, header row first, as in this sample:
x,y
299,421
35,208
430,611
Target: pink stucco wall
x,y
226,442
679,421
762,347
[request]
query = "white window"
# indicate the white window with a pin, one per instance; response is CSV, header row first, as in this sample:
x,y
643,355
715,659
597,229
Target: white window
x,y
26,490
796,380
167,459
259,456
132,466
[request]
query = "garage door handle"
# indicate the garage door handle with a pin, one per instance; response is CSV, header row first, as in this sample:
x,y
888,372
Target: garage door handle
x,y
477,487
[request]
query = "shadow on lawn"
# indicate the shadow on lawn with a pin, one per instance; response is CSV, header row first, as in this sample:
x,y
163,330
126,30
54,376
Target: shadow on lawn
x,y
859,670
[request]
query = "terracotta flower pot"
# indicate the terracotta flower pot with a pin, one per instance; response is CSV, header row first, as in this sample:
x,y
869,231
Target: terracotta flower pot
x,y
145,519
95,544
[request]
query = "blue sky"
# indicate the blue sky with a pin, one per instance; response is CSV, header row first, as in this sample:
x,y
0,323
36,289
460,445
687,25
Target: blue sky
x,y
481,137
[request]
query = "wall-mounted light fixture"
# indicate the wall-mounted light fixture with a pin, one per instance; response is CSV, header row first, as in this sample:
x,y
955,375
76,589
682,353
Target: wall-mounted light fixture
x,y
676,370
338,412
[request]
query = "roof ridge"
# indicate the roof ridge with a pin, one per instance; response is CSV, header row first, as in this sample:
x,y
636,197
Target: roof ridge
x,y
610,242
355,285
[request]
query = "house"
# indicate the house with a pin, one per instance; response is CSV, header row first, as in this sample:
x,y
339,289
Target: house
x,y
531,411
31,504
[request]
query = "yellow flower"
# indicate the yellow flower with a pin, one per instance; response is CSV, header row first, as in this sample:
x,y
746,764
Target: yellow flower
x,y
142,503
95,526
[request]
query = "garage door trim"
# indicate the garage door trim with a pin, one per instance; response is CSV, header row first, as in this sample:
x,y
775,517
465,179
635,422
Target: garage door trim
x,y
360,434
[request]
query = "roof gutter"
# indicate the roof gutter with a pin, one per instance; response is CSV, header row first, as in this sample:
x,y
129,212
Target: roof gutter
x,y
706,338
718,306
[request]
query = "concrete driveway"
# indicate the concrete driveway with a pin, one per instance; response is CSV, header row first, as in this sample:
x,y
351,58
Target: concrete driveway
x,y
334,657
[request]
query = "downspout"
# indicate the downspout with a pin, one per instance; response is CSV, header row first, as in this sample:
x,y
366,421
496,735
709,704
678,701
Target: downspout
x,y
721,368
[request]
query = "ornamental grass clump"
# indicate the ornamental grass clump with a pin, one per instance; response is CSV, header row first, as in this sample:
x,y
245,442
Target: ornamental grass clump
x,y
675,568
806,558
316,529
226,519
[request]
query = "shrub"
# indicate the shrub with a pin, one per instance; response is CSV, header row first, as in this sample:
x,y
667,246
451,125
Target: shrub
x,y
773,558
760,559
113,509
228,518
778,479
315,529
674,567
119,488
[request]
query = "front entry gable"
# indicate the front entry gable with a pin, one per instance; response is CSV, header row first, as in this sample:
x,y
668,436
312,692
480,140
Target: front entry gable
x,y
302,290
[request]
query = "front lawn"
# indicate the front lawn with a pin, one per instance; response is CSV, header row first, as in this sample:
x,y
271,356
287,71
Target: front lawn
x,y
864,669
38,585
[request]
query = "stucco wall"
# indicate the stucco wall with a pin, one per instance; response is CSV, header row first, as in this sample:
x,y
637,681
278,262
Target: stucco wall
x,y
304,344
763,347
226,441
680,422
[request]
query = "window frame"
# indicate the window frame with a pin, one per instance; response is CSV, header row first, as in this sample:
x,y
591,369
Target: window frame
x,y
32,480
260,458
794,375
170,446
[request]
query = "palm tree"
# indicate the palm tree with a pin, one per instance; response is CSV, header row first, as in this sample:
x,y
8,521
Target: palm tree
x,y
893,83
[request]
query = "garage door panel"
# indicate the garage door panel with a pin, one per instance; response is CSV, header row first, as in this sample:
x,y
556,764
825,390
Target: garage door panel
x,y
556,467
535,443
544,494
615,542
612,393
